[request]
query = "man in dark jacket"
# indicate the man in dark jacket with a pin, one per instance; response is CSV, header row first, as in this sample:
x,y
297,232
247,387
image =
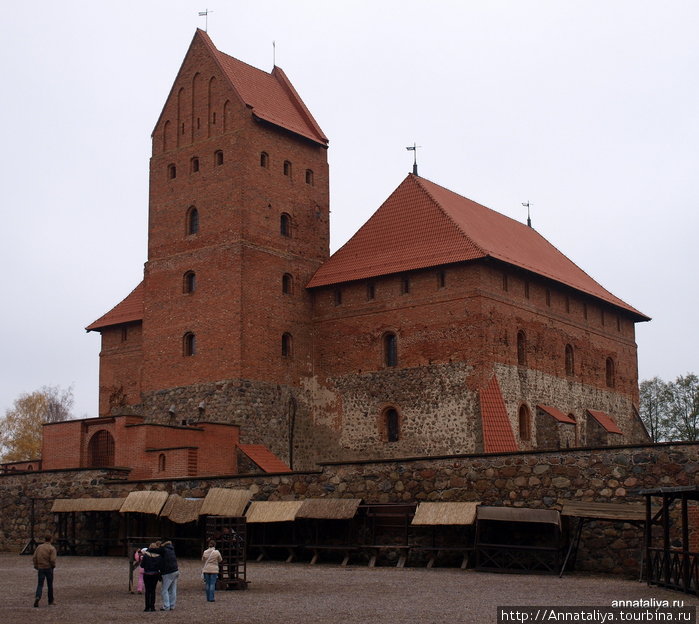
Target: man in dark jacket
x,y
44,562
169,574
150,562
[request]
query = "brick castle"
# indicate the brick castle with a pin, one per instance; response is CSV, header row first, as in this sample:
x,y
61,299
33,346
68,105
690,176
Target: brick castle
x,y
440,327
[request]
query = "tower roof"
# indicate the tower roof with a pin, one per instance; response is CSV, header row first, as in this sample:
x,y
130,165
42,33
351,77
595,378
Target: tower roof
x,y
423,225
129,310
270,96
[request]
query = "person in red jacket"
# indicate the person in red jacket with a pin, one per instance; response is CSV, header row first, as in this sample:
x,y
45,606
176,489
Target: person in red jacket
x,y
44,563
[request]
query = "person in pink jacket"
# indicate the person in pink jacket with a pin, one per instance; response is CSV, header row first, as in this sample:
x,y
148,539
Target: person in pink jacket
x,y
211,559
137,556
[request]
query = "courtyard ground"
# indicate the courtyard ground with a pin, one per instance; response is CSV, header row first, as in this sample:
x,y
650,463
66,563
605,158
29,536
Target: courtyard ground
x,y
93,589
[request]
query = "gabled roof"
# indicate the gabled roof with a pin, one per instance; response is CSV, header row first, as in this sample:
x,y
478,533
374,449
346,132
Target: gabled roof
x,y
129,310
497,431
423,225
605,420
270,96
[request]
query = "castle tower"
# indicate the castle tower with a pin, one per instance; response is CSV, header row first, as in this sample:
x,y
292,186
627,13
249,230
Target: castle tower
x,y
238,224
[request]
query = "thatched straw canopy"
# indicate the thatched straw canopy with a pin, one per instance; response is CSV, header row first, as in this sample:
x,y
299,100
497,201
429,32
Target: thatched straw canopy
x,y
272,511
225,502
181,510
605,511
329,508
63,505
146,501
445,513
520,514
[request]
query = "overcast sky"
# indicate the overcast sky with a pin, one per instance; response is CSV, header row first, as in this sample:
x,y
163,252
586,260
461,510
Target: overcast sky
x,y
589,110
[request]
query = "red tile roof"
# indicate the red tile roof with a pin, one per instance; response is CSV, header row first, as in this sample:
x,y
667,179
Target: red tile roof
x,y
497,430
271,96
557,414
422,225
264,458
129,310
606,421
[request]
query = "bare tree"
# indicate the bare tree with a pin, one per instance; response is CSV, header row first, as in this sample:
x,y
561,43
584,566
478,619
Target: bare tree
x,y
655,408
684,407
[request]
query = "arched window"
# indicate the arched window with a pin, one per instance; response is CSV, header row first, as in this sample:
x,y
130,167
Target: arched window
x,y
195,164
287,168
525,423
570,360
390,349
287,284
285,225
189,282
218,158
171,171
192,221
392,424
189,344
161,462
100,449
610,372
309,177
287,345
264,160
521,348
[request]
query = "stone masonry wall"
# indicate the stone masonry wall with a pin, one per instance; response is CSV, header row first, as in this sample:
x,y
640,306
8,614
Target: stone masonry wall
x,y
534,479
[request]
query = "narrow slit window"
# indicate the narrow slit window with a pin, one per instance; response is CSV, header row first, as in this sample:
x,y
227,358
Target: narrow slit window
x,y
390,349
286,345
189,344
218,158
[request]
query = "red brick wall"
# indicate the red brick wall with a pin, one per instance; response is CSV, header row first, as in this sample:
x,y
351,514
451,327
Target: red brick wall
x,y
120,367
61,445
137,446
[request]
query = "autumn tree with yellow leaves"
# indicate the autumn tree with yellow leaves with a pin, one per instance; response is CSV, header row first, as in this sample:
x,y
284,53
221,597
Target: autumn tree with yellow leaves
x,y
21,428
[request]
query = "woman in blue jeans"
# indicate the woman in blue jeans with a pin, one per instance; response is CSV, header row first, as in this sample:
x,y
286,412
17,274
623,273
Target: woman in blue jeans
x,y
211,559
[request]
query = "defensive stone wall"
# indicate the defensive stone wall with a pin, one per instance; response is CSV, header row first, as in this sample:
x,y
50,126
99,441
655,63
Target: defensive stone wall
x,y
535,479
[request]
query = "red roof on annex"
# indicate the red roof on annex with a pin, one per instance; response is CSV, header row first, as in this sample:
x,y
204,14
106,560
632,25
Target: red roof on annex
x,y
423,225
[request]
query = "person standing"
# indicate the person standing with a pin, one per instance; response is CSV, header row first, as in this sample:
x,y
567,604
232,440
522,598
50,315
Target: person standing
x,y
169,573
150,562
44,563
211,559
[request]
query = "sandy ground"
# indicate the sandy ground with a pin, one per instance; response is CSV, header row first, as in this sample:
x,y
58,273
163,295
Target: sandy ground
x,y
89,589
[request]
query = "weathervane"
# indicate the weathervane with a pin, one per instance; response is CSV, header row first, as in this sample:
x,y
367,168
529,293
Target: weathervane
x,y
413,148
529,220
205,14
